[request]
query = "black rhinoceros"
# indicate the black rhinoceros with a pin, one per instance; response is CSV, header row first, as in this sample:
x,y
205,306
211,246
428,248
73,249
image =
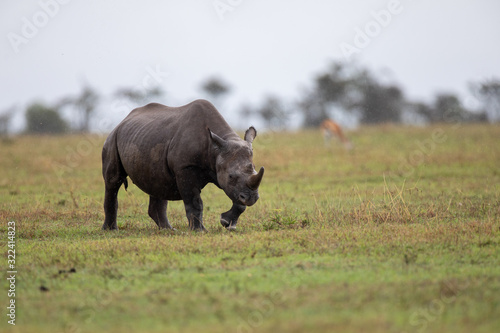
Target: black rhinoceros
x,y
171,153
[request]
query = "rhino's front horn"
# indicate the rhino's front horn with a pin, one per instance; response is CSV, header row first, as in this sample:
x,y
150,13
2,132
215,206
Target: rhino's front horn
x,y
255,180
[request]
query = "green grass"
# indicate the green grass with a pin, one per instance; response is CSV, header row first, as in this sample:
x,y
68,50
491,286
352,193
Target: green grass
x,y
400,235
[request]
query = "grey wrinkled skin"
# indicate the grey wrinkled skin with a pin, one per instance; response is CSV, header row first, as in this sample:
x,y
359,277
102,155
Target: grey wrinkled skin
x,y
171,153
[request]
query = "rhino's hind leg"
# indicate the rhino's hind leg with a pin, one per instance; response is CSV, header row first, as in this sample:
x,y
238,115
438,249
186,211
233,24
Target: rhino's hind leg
x,y
110,207
114,176
158,212
230,218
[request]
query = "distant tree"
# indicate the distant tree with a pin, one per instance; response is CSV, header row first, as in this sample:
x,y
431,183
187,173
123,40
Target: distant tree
x,y
353,90
85,104
376,103
488,93
246,111
5,118
139,96
313,109
329,89
423,109
216,88
416,113
447,106
273,112
42,119
332,86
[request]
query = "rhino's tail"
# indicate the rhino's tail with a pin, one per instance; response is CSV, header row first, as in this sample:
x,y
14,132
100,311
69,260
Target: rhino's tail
x,y
125,183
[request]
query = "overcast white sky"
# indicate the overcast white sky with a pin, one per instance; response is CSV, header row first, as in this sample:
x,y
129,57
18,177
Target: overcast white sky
x,y
259,47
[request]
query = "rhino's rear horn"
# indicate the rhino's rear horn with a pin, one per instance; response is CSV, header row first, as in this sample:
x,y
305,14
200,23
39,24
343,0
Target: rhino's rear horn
x,y
255,180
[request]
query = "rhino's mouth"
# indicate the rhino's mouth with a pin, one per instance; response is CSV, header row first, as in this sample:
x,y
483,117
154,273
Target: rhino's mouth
x,y
247,199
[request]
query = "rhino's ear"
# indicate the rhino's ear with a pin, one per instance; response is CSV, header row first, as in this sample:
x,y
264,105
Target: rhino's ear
x,y
250,134
217,141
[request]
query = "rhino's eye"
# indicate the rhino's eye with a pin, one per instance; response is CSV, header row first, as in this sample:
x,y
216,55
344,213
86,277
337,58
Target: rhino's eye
x,y
233,178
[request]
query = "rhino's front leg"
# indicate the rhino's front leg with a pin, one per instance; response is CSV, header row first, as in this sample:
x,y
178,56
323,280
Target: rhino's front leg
x,y
193,204
230,218
194,213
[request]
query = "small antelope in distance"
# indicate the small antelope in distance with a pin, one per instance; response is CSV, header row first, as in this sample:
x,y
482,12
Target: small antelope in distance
x,y
330,128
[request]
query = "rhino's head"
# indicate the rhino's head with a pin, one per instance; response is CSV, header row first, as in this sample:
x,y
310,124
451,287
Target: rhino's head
x,y
236,173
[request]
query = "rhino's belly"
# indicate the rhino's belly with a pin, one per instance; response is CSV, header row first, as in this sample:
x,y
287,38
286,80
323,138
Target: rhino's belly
x,y
159,187
148,170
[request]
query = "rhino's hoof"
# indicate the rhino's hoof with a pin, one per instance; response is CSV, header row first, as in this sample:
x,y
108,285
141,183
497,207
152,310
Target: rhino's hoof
x,y
224,223
105,227
200,229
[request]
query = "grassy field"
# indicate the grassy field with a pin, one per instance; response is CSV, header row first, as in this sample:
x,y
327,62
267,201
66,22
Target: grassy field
x,y
400,235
